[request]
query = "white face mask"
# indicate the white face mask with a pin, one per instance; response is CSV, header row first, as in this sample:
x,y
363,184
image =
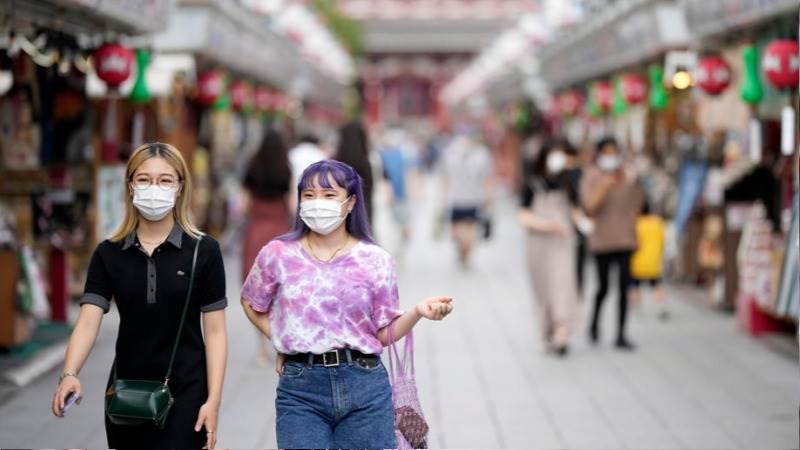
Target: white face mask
x,y
556,162
153,202
322,216
609,163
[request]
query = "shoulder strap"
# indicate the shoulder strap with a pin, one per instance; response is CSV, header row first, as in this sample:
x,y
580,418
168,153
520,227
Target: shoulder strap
x,y
185,308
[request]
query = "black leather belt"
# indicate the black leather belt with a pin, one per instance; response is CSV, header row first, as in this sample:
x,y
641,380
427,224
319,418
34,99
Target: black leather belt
x,y
332,358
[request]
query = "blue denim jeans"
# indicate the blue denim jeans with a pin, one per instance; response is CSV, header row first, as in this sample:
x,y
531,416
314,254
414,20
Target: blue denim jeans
x,y
349,406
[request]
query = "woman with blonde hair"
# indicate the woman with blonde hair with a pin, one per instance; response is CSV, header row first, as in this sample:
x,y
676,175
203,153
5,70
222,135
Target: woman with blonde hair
x,y
146,267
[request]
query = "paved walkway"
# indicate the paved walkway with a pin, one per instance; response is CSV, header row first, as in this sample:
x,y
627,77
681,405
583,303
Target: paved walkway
x,y
695,382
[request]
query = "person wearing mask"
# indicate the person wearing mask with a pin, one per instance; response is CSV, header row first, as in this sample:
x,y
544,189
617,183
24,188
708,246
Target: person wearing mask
x,y
467,168
353,150
145,268
612,197
326,295
267,183
548,201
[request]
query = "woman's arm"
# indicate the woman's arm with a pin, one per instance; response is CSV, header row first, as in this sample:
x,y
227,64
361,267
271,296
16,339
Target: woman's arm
x,y
595,198
80,345
216,340
259,319
533,222
434,308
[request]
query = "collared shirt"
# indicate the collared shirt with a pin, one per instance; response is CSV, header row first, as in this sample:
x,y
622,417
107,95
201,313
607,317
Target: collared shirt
x,y
149,292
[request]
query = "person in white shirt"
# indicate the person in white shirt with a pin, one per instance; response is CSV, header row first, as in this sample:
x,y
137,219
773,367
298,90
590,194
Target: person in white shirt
x,y
304,154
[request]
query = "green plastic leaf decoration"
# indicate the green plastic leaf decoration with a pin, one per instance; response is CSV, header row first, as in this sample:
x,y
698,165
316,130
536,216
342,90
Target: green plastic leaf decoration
x,y
223,103
592,107
523,118
658,94
620,106
752,91
141,93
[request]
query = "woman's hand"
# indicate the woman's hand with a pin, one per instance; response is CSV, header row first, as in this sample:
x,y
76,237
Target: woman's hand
x,y
279,360
68,385
207,416
435,308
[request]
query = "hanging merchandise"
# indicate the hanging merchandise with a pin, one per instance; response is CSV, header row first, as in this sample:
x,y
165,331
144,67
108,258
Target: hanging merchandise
x,y
634,88
570,103
210,87
658,94
113,64
713,75
788,301
620,106
241,94
34,294
752,92
781,64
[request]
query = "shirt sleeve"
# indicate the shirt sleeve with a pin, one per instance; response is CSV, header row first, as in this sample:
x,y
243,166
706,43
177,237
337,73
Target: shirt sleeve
x,y
261,284
587,185
386,297
211,285
98,290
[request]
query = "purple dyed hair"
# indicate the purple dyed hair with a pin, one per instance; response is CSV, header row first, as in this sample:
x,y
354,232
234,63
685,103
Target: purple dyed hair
x,y
345,177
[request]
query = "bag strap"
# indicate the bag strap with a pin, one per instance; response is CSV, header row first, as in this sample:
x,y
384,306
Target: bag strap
x,y
407,361
183,318
185,308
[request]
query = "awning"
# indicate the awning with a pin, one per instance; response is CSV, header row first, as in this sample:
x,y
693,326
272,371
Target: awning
x,y
624,34
710,17
225,34
131,17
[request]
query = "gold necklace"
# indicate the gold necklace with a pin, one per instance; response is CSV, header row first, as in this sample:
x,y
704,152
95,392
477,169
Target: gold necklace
x,y
314,254
152,243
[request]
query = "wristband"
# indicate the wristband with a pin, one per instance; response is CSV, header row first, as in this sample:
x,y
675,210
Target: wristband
x,y
67,374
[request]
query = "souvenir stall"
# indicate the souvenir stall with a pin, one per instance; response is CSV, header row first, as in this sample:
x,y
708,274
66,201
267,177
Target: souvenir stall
x,y
746,102
50,144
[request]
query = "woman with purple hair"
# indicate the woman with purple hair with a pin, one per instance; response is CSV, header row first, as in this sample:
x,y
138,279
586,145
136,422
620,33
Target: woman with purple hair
x,y
325,295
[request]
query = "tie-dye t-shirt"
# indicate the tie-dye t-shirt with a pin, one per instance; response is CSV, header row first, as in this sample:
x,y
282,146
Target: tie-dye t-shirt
x,y
317,307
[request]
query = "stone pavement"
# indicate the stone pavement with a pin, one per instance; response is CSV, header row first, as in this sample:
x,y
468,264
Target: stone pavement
x,y
695,381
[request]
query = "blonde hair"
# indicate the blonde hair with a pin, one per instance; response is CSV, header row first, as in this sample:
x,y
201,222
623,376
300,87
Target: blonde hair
x,y
181,211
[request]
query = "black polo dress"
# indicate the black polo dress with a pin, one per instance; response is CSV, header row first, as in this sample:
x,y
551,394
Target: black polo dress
x,y
149,292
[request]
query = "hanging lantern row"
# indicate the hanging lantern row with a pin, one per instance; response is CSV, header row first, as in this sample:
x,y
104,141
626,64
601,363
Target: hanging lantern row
x,y
780,65
212,88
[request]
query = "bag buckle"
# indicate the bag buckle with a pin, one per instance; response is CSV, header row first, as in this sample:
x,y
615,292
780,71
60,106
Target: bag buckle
x,y
325,359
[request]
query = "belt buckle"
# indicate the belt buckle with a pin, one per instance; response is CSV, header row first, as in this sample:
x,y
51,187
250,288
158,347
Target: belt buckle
x,y
325,359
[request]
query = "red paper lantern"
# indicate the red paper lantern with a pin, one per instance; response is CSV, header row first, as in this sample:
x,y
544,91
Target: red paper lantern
x,y
113,64
241,95
603,95
713,75
210,86
634,88
263,99
781,64
570,102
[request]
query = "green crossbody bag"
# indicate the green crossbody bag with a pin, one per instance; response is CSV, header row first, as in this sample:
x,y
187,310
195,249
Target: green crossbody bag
x,y
138,402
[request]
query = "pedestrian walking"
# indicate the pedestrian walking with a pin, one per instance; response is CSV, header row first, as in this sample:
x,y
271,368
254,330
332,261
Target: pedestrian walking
x,y
467,181
548,201
612,197
267,182
647,261
395,168
353,150
167,338
325,294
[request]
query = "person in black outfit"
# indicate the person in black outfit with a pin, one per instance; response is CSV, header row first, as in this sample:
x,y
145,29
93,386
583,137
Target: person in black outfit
x,y
144,268
353,150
